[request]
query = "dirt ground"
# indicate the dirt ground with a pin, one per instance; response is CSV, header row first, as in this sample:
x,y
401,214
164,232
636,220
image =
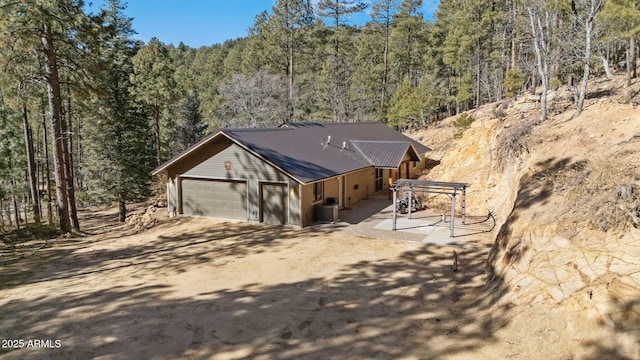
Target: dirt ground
x,y
201,288
205,289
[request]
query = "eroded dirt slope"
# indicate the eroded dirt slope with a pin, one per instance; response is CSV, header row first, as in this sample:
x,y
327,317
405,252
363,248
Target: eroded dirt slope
x,y
566,194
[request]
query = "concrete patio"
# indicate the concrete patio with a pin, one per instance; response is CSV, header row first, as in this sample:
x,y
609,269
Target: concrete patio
x,y
373,217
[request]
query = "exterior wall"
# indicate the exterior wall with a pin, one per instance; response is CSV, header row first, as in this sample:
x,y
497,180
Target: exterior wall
x,y
306,200
331,188
226,160
359,185
295,214
414,172
172,197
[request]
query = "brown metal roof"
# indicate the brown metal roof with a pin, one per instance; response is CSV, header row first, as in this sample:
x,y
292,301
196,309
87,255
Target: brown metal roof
x,y
385,154
310,152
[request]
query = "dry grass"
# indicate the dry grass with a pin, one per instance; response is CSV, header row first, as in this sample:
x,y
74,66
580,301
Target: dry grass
x,y
514,141
596,195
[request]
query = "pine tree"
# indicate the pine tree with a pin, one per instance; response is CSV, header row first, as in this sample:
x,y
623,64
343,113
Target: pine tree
x,y
336,11
407,38
49,29
280,36
621,19
118,148
191,127
153,77
382,13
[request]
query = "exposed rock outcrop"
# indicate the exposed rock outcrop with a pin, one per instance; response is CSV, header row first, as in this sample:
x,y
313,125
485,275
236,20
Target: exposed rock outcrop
x,y
566,194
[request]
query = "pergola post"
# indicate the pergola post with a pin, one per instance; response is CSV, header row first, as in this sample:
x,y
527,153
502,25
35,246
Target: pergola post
x,y
410,200
395,196
437,187
453,215
464,203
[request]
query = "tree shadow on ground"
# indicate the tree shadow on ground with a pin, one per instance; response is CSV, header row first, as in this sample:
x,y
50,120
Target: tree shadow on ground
x,y
366,209
412,305
625,314
172,253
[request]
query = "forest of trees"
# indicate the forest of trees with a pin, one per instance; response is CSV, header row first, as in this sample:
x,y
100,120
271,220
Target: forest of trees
x,y
86,111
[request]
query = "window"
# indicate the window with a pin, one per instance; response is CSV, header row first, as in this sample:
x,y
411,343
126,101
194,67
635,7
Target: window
x,y
317,191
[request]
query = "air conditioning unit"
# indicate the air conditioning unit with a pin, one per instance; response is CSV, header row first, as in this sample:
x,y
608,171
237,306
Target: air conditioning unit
x,y
326,213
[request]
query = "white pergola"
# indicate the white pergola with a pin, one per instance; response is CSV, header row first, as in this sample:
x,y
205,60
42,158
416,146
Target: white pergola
x,y
451,189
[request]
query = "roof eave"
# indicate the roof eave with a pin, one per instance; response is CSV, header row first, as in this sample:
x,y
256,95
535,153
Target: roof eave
x,y
408,148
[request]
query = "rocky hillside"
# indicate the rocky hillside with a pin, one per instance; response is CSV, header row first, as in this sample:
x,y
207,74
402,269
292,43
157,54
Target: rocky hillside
x,y
566,195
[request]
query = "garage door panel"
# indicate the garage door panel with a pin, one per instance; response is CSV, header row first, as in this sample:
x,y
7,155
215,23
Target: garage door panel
x,y
219,199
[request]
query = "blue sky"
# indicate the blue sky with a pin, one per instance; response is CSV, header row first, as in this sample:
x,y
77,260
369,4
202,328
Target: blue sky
x,y
203,22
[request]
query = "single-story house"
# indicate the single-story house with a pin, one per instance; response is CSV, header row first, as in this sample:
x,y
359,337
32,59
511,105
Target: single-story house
x,y
283,175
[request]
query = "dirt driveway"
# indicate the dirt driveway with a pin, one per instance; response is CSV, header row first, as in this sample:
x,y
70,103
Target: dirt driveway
x,y
201,288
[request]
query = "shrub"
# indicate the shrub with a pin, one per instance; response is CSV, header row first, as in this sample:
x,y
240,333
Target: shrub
x,y
462,123
513,82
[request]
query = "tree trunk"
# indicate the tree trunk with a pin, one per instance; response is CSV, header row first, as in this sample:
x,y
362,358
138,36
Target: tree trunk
x,y
31,167
156,133
478,58
7,210
585,73
514,16
1,214
290,111
78,174
607,69
122,210
542,63
594,7
68,153
634,56
631,60
47,169
385,70
55,110
16,212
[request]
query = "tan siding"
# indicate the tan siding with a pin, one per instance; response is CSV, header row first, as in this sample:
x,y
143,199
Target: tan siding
x,y
416,172
307,204
331,189
360,185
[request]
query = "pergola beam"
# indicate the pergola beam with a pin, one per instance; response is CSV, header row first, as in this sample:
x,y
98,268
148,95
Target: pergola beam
x,y
434,187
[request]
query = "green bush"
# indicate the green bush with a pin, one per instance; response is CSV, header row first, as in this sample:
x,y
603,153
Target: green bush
x,y
513,82
462,123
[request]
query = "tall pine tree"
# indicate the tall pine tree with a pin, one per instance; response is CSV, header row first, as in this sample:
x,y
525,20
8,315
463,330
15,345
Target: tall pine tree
x,y
118,148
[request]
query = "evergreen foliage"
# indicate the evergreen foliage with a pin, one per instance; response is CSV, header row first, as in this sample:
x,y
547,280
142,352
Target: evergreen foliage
x,y
190,128
462,123
114,108
118,153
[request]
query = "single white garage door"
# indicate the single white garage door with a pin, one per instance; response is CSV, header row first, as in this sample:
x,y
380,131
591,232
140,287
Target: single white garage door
x,y
215,198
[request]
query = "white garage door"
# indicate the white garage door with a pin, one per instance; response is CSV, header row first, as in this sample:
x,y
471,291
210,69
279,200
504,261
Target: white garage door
x,y
215,198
